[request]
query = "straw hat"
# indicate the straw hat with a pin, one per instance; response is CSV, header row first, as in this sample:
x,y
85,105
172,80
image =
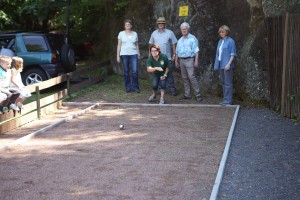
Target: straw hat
x,y
161,20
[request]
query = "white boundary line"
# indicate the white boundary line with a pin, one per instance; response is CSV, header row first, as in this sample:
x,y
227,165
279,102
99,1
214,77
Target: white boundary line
x,y
147,104
42,130
215,190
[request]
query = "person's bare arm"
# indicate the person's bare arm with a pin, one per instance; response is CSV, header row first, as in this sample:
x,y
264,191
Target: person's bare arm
x,y
196,64
14,79
118,50
153,69
138,50
227,67
165,75
174,52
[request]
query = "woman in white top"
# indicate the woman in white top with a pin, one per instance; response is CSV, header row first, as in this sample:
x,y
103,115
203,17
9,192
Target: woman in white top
x,y
128,52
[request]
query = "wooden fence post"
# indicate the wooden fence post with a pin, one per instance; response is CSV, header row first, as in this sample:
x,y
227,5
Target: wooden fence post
x,y
106,71
68,85
283,89
38,103
90,78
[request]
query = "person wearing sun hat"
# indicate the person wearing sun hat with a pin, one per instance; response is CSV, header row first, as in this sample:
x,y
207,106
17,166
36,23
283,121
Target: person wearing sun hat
x,y
166,39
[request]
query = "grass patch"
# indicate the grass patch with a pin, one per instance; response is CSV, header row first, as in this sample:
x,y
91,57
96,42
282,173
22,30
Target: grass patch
x,y
111,90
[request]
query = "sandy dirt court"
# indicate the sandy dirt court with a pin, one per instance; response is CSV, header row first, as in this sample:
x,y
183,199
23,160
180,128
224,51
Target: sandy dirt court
x,y
163,153
45,120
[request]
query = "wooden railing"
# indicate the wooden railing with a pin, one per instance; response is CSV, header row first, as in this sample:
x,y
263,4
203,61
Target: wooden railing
x,y
42,106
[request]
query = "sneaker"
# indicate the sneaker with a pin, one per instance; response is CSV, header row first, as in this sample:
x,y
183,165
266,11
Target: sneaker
x,y
199,99
3,109
14,107
20,105
152,97
128,90
185,97
162,101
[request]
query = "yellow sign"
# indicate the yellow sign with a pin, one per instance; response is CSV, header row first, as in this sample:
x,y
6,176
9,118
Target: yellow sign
x,y
183,11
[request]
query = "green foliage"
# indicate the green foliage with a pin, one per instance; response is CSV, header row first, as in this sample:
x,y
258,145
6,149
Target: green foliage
x,y
291,97
90,20
4,19
39,14
121,5
28,15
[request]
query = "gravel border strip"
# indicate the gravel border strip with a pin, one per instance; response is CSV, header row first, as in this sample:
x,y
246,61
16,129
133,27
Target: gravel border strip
x,y
42,130
215,190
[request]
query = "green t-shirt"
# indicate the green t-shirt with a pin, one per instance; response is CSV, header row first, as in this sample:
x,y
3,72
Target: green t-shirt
x,y
162,62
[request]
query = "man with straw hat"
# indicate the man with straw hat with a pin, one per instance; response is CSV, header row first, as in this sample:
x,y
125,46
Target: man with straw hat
x,y
165,39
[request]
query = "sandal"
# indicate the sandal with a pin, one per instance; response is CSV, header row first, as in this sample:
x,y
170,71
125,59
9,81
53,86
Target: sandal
x,y
152,97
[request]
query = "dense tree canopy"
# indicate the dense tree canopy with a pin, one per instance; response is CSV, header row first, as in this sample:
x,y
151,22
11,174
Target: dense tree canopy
x,y
88,18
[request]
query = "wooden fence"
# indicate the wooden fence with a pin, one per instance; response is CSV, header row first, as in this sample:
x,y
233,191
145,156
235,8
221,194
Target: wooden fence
x,y
42,106
284,64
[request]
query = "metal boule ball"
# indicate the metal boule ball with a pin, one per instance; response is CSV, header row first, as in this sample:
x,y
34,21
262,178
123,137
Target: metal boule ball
x,y
122,127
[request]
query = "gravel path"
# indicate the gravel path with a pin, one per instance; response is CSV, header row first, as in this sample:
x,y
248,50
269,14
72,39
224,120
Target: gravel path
x,y
264,158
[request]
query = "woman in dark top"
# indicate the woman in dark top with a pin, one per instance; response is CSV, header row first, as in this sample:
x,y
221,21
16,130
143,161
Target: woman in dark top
x,y
158,65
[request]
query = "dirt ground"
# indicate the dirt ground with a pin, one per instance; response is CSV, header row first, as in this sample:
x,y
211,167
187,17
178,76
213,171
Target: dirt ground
x,y
45,120
91,158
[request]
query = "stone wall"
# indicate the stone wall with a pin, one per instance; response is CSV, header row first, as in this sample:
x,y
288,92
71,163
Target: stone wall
x,y
246,21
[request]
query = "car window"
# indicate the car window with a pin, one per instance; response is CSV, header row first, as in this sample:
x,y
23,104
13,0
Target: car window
x,y
11,45
35,43
56,41
8,43
5,41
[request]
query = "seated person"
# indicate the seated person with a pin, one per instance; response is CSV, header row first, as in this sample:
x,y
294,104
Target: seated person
x,y
16,83
5,79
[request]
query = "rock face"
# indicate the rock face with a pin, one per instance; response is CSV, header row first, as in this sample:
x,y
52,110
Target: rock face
x,y
246,21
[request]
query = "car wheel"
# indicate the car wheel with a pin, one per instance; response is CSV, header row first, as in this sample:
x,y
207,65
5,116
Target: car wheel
x,y
32,76
68,58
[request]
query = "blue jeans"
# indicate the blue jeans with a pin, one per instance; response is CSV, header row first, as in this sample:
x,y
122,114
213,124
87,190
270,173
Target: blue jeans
x,y
156,81
226,80
133,61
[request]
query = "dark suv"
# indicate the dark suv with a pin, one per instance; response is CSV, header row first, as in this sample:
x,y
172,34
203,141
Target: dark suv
x,y
45,55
